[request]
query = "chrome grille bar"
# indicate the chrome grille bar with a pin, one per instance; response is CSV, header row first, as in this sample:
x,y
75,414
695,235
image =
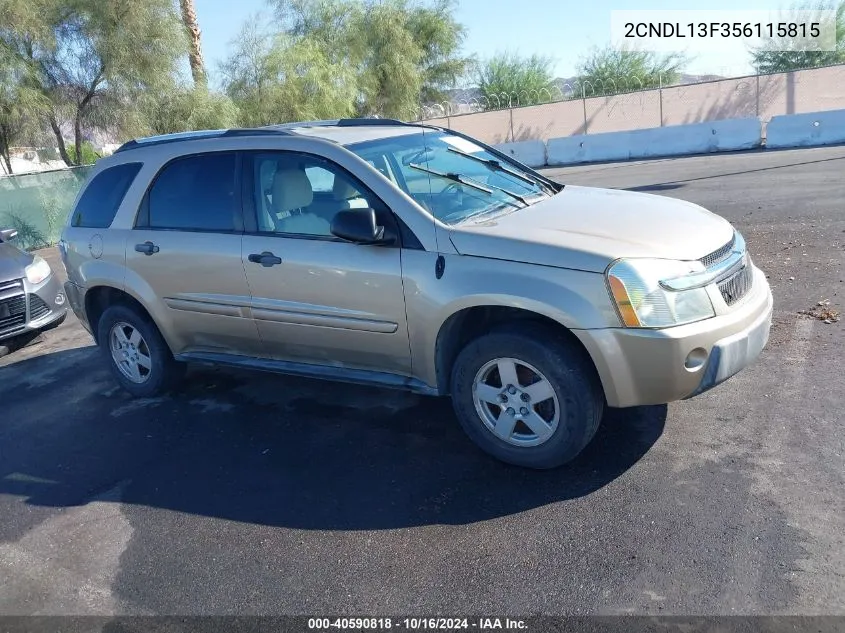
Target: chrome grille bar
x,y
737,286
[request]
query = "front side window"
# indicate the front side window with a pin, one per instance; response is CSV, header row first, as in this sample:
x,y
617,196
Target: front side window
x,y
453,178
195,193
299,195
102,197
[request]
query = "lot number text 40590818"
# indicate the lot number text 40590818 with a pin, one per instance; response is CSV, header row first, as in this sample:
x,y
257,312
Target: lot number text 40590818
x,y
416,624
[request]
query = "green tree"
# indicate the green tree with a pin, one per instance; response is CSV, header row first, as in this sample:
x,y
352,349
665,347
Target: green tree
x,y
19,109
403,52
392,79
440,37
781,55
507,78
275,78
187,108
87,155
609,70
91,61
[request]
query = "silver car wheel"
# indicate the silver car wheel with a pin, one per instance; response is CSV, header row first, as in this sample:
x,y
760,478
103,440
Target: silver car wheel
x,y
516,402
130,352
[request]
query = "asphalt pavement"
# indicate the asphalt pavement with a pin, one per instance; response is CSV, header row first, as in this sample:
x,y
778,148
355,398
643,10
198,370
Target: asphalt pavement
x,y
260,494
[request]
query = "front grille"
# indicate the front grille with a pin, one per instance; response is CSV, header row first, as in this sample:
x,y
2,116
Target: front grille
x,y
719,254
37,307
11,288
15,317
737,285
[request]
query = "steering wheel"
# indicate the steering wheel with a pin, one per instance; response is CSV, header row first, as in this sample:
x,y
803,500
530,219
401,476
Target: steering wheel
x,y
453,187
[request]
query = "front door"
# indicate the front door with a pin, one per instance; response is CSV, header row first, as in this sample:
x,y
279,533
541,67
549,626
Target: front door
x,y
316,298
185,253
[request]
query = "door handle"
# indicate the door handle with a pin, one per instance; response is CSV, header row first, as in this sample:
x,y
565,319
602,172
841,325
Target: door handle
x,y
266,259
147,248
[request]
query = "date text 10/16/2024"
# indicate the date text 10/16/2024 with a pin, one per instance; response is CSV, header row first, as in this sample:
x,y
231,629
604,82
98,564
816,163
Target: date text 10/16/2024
x,y
416,624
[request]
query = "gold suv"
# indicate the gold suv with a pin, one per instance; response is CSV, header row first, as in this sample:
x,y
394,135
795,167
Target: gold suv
x,y
409,256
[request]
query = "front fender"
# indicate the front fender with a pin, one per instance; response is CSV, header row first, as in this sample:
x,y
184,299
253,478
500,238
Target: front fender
x,y
575,299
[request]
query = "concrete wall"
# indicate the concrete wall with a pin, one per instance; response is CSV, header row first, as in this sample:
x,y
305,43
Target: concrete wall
x,y
531,153
489,127
804,130
617,113
563,118
712,101
765,96
676,140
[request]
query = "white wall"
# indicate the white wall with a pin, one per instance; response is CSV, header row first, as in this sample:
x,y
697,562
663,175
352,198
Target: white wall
x,y
531,153
675,140
804,130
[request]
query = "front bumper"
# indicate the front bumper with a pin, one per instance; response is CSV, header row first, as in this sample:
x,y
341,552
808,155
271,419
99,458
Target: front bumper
x,y
645,367
26,307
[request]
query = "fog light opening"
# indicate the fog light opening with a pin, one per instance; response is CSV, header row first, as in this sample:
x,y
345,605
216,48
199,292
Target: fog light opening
x,y
696,359
60,299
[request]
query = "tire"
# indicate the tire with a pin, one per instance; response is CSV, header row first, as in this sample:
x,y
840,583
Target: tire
x,y
164,373
570,380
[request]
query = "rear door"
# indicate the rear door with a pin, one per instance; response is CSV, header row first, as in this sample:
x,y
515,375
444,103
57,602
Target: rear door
x,y
185,252
316,298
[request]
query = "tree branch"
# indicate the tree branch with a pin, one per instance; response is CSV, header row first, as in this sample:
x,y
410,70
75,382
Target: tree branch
x,y
60,141
5,134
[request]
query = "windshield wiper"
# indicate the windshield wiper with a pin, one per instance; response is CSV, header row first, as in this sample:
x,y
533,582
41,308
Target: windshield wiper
x,y
496,165
453,177
486,188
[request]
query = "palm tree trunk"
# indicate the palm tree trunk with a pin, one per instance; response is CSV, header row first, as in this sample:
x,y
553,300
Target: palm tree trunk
x,y
189,18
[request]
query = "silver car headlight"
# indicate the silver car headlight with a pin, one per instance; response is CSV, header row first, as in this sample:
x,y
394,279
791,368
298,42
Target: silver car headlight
x,y
37,271
644,299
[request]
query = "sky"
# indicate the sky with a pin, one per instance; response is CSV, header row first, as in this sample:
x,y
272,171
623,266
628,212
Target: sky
x,y
563,30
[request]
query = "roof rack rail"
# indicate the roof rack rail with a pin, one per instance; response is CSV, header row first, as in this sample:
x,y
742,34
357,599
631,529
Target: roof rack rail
x,y
255,131
335,123
365,121
164,139
296,124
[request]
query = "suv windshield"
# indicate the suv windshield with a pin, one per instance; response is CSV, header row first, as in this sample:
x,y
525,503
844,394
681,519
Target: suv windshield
x,y
452,177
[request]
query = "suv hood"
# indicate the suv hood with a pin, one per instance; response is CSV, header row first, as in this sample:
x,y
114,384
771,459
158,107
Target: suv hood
x,y
12,262
586,228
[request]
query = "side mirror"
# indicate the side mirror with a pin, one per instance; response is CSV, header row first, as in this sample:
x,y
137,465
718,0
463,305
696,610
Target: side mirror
x,y
8,234
359,226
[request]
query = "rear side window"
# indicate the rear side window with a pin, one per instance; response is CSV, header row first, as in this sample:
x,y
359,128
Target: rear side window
x,y
99,202
195,193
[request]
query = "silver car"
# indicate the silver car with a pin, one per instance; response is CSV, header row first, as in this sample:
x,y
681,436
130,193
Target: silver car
x,y
31,298
409,256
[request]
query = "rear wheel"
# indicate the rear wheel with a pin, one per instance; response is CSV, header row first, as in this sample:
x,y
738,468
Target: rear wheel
x,y
136,352
527,397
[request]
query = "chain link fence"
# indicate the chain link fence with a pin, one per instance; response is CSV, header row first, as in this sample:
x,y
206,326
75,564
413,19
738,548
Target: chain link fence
x,y
594,108
37,204
562,91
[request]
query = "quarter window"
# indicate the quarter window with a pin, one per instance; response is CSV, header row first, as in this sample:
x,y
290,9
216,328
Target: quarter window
x,y
195,193
102,197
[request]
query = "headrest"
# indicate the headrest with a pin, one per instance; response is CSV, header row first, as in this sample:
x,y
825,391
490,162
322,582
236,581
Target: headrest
x,y
343,189
291,190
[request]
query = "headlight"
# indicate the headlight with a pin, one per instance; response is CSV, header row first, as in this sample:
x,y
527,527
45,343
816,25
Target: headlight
x,y
643,302
37,271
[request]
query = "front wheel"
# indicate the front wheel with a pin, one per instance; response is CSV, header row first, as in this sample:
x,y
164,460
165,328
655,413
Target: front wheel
x,y
527,397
